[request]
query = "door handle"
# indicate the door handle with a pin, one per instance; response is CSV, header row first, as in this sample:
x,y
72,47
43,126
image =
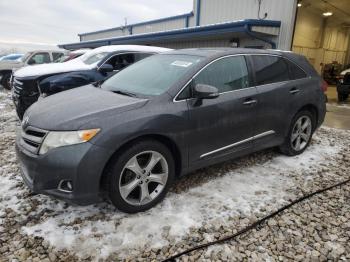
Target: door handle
x,y
250,101
294,90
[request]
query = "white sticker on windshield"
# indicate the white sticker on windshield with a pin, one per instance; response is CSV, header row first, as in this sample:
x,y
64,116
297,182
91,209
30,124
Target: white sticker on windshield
x,y
181,63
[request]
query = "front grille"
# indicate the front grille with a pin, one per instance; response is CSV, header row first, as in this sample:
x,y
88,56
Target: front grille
x,y
25,87
32,138
17,86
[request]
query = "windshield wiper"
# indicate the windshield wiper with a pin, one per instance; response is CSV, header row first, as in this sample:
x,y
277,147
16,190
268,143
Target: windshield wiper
x,y
124,93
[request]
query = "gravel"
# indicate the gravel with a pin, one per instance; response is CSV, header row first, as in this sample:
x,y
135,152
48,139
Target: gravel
x,y
315,230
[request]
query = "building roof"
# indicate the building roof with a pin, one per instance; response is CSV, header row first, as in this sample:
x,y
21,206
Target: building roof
x,y
134,48
240,26
141,23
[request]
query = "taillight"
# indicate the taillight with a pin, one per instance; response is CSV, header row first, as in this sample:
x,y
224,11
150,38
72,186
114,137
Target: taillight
x,y
324,86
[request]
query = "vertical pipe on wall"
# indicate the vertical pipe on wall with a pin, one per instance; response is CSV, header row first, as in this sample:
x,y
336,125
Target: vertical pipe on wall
x,y
198,12
347,56
187,21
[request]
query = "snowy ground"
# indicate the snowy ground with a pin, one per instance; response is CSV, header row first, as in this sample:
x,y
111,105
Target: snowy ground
x,y
222,198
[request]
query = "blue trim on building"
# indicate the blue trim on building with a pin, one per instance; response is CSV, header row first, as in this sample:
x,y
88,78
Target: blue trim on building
x,y
198,12
242,26
171,18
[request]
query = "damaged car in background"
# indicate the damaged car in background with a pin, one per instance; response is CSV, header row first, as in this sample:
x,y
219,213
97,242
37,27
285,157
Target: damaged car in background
x,y
94,66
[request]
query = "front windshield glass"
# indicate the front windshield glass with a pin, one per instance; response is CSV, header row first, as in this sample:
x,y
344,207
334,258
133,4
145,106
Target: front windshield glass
x,y
152,76
26,56
93,58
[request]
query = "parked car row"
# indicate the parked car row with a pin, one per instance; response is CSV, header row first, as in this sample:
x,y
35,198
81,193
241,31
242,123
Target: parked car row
x,y
31,83
12,62
30,58
130,130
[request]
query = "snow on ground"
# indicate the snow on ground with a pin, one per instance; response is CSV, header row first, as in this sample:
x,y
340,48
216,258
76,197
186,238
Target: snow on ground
x,y
340,105
240,192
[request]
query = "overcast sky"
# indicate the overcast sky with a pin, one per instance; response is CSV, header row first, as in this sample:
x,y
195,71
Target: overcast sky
x,y
54,22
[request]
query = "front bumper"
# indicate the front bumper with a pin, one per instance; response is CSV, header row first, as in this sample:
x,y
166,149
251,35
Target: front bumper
x,y
81,164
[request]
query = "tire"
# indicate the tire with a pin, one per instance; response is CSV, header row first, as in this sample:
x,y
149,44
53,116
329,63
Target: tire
x,y
131,176
5,81
341,97
290,145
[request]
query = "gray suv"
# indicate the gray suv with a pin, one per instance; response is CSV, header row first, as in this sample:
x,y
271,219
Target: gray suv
x,y
164,117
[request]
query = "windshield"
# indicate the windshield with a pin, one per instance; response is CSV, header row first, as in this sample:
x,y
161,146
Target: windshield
x,y
26,56
94,58
152,76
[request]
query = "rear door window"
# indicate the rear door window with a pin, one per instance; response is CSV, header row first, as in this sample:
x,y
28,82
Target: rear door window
x,y
270,69
119,62
122,61
226,74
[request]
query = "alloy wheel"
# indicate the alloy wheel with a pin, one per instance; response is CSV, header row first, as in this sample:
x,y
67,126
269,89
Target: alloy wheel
x,y
301,133
143,178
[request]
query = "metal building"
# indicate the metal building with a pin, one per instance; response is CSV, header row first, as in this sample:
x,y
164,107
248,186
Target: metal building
x,y
236,23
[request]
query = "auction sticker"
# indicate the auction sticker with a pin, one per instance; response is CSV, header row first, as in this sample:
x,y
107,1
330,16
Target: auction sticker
x,y
181,63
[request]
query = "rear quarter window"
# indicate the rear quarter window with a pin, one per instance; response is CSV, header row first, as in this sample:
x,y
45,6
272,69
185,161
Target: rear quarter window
x,y
295,71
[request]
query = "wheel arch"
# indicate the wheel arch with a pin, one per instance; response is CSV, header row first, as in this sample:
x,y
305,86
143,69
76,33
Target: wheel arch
x,y
313,110
168,142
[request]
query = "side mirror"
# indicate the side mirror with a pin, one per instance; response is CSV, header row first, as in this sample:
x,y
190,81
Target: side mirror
x,y
106,68
205,91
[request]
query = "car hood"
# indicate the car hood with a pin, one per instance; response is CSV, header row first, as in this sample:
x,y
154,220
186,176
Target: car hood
x,y
72,109
54,68
9,65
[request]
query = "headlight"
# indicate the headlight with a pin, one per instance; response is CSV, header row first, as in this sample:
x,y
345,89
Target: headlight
x,y
64,138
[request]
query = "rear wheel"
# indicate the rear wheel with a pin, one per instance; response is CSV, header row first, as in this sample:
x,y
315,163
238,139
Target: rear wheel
x,y
300,134
141,176
5,81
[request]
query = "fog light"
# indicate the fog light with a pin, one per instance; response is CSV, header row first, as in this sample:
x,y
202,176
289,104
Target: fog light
x,y
65,186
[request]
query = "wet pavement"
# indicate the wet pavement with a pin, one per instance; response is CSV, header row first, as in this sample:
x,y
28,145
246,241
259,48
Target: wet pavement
x,y
338,114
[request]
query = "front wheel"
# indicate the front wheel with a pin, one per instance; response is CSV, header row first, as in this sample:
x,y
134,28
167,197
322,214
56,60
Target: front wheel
x,y
299,135
141,176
